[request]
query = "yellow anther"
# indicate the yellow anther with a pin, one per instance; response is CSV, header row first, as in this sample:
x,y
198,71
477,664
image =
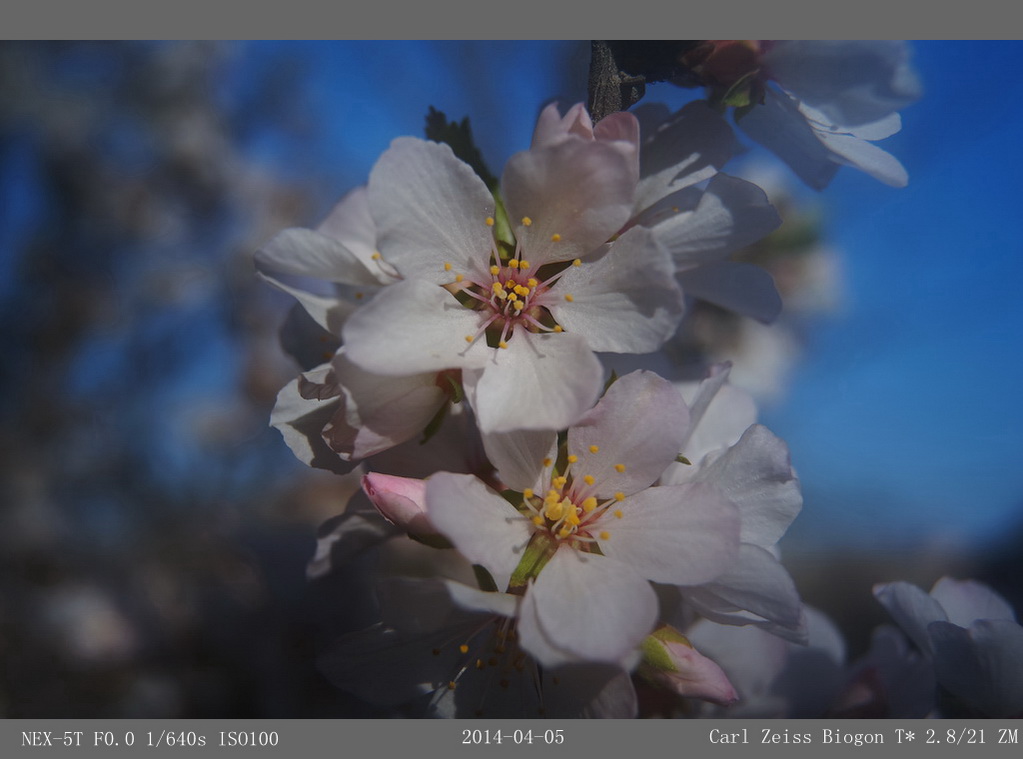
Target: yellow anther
x,y
512,297
521,290
538,520
527,493
459,278
569,298
514,263
510,284
604,534
375,256
451,684
526,221
558,328
532,282
547,462
495,270
618,513
553,496
589,504
594,449
479,664
555,510
588,479
497,287
572,459
502,344
490,221
464,648
501,294
573,519
619,468
555,237
619,496
523,265
468,338
577,262
559,481
447,266
564,532
675,209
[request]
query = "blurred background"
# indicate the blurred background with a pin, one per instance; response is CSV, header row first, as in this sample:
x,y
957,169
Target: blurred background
x,y
154,531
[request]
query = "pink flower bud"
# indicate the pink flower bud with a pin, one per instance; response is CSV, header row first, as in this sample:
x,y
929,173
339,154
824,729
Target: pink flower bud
x,y
400,500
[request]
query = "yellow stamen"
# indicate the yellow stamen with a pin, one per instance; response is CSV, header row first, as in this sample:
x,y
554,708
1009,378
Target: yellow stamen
x,y
459,278
559,481
447,266
619,496
538,520
594,448
555,237
588,479
618,513
589,504
451,684
375,256
619,468
558,328
604,535
573,519
490,221
502,344
547,462
495,270
521,290
514,263
464,648
532,282
555,510
527,493
572,459
526,221
468,338
524,265
577,262
569,298
564,532
479,664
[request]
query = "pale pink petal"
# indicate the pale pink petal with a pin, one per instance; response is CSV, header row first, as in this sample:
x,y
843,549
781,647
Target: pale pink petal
x,y
679,534
982,665
541,381
732,213
380,411
483,526
350,223
965,601
552,128
746,289
912,609
578,191
304,252
696,676
401,501
625,301
430,209
637,427
865,156
755,475
518,456
328,311
585,607
412,327
301,421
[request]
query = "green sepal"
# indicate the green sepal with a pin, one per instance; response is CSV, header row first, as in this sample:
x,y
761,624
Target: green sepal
x,y
484,579
655,655
455,391
683,460
502,230
740,94
610,381
541,547
434,424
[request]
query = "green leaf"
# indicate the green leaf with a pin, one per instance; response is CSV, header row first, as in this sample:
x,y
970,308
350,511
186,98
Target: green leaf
x,y
683,460
459,138
484,579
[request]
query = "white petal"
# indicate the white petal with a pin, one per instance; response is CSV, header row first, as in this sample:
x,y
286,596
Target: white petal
x,y
301,422
541,381
473,599
680,534
983,665
350,223
430,209
781,128
626,301
412,327
755,475
639,423
912,609
551,127
580,191
732,213
518,456
965,601
330,312
304,252
689,147
851,81
483,526
585,607
724,417
746,289
381,411
866,157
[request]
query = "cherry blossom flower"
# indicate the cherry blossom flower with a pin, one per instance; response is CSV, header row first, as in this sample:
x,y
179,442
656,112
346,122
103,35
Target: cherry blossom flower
x,y
970,634
584,533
